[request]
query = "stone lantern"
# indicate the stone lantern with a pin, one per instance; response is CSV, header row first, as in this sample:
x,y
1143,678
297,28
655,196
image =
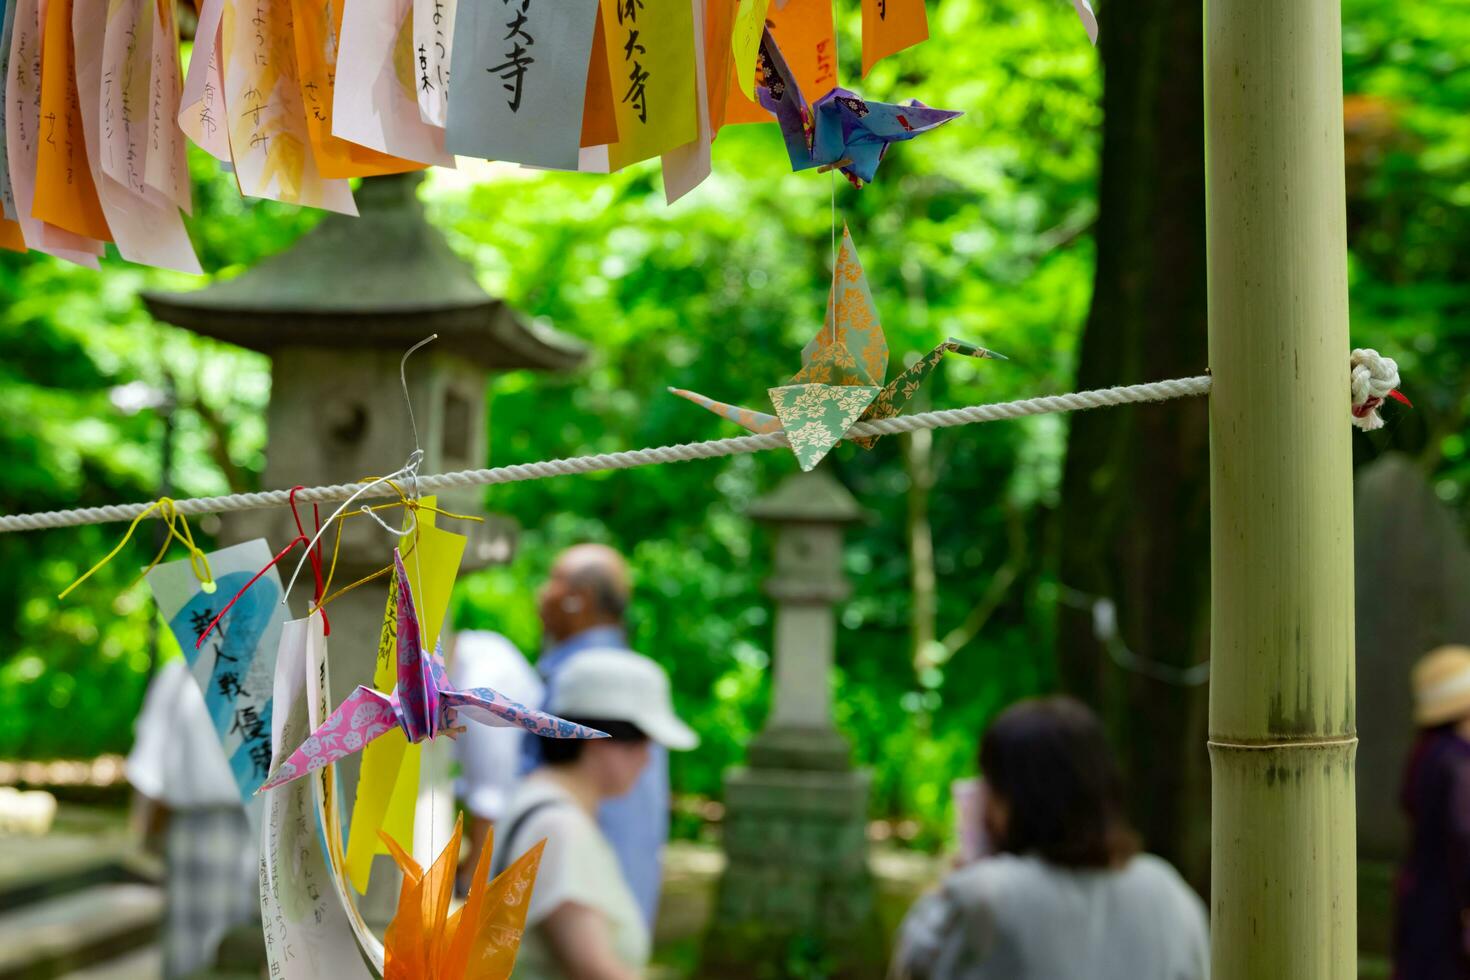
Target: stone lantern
x,y
336,312
797,881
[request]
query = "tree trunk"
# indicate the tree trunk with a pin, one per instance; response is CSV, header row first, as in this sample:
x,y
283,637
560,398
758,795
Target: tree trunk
x,y
1134,516
1282,728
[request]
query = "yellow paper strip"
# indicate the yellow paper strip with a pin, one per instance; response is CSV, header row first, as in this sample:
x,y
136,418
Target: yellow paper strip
x,y
750,23
651,47
387,788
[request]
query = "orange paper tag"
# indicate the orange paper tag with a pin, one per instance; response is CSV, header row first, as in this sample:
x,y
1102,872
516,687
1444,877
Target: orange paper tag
x,y
803,31
890,26
65,195
10,237
599,120
318,25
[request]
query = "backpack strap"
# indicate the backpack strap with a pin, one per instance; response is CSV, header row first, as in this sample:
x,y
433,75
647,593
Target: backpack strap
x,y
505,847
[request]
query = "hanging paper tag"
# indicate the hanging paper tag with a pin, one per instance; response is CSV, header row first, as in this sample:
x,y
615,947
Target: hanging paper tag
x,y
307,932
267,120
651,45
65,195
388,784
1088,18
686,167
324,788
22,132
202,106
804,32
433,35
167,167
7,195
599,118
890,26
522,80
146,225
235,668
375,103
127,62
750,23
317,25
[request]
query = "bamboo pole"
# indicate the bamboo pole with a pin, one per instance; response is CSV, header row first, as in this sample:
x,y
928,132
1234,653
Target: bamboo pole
x,y
1282,735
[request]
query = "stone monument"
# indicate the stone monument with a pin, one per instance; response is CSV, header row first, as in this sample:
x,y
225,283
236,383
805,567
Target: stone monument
x,y
336,312
797,894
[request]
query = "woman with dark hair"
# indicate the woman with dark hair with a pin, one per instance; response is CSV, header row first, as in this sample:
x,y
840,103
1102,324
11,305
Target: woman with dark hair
x,y
584,922
1067,895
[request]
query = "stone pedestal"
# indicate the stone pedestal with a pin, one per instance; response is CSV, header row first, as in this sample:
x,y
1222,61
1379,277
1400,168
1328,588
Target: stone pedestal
x,y
797,896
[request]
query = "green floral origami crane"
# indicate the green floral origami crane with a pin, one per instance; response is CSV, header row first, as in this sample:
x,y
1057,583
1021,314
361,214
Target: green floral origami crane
x,y
841,376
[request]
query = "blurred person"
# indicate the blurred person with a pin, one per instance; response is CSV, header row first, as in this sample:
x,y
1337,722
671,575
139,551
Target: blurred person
x,y
1432,918
584,921
582,607
489,756
1067,895
184,789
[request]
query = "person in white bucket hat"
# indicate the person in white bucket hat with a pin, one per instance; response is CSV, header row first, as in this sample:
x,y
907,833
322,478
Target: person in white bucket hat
x,y
1432,920
584,921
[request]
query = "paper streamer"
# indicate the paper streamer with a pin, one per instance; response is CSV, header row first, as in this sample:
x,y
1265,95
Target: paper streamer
x,y
267,120
65,195
651,50
235,668
167,167
22,132
388,783
308,934
889,26
686,167
374,102
324,789
745,41
804,31
433,37
145,224
202,107
522,81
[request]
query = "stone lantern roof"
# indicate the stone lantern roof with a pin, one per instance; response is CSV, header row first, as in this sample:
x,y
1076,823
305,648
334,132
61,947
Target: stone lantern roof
x,y
386,279
808,498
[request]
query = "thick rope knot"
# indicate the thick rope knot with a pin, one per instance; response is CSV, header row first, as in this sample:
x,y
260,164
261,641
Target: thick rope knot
x,y
1374,378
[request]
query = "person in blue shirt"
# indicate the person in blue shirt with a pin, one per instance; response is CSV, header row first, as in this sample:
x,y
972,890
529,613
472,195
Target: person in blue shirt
x,y
582,607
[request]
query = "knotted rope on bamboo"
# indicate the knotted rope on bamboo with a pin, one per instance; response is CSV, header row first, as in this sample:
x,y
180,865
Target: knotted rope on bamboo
x,y
1374,378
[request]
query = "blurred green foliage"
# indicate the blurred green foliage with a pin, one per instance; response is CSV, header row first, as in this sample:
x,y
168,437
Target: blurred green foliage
x,y
979,230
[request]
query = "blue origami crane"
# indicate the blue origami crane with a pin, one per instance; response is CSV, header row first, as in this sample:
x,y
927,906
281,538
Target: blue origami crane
x,y
841,130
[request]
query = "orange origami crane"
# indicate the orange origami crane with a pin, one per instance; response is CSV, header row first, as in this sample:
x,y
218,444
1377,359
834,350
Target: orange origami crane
x,y
481,939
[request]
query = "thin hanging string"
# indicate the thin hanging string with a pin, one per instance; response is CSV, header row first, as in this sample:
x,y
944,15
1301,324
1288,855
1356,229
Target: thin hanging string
x,y
408,472
1154,391
165,506
832,186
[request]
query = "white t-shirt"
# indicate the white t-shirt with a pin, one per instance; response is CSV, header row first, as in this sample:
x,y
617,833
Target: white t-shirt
x,y
176,758
578,866
490,756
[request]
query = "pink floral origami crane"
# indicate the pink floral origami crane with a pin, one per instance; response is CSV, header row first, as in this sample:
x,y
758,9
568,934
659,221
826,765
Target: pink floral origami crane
x,y
423,704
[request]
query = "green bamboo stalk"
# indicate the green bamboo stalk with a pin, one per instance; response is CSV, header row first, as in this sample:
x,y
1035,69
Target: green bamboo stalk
x,y
1282,729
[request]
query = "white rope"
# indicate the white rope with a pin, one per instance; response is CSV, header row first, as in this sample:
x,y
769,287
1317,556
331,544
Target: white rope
x,y
1072,402
1374,378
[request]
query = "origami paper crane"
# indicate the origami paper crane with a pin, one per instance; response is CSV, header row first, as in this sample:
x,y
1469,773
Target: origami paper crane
x,y
480,940
841,377
840,130
422,704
